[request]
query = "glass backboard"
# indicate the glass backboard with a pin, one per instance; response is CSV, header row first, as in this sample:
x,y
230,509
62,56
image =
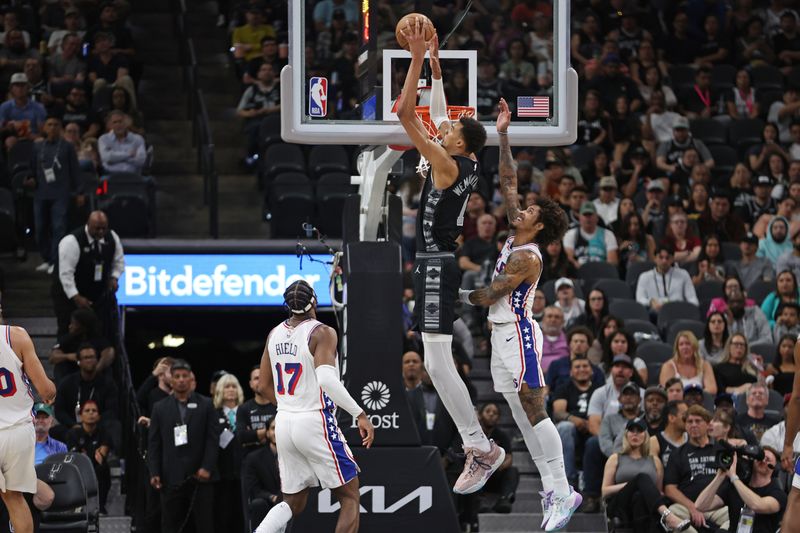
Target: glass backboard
x,y
346,69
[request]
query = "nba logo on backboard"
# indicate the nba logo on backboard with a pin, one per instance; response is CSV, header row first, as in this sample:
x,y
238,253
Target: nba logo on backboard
x,y
318,97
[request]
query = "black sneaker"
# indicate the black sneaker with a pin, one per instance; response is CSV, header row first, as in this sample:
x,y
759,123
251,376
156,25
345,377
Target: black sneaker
x,y
503,506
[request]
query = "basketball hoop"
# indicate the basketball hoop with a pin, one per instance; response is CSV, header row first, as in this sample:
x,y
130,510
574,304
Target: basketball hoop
x,y
454,112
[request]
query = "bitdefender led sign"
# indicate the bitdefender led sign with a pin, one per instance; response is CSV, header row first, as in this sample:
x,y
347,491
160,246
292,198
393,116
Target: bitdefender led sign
x,y
217,280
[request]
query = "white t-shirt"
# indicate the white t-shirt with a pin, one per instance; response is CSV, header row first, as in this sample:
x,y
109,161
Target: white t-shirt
x,y
608,212
662,125
784,124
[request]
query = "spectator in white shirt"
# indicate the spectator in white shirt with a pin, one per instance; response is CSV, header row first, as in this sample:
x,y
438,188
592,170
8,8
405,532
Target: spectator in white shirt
x,y
607,203
120,149
571,306
665,283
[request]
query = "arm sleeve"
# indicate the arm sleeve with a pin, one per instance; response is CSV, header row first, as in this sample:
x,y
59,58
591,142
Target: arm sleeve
x,y
328,379
68,254
118,263
438,107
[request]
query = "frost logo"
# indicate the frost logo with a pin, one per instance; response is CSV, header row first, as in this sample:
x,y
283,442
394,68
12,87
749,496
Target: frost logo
x,y
375,395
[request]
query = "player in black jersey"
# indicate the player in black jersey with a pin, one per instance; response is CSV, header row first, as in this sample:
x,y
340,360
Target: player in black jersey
x,y
452,178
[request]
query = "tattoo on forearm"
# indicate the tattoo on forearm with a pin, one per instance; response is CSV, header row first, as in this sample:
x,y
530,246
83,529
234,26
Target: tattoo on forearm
x,y
520,266
508,178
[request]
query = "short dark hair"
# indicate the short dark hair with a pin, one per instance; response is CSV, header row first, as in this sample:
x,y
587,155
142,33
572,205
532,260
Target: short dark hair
x,y
579,187
664,247
86,346
580,330
579,358
181,364
671,408
473,133
554,219
787,305
703,70
672,381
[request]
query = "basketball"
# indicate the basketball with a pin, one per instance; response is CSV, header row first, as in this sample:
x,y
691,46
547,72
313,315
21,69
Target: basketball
x,y
408,20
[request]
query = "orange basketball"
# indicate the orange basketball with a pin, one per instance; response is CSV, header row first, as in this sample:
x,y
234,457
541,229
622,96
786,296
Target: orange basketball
x,y
405,24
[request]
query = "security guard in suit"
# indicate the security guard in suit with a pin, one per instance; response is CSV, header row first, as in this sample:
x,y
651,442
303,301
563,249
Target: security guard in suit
x,y
183,441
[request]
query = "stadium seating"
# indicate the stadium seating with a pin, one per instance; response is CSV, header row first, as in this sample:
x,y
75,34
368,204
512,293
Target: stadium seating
x,y
88,476
613,288
626,309
326,159
744,133
69,512
695,326
709,131
672,311
654,351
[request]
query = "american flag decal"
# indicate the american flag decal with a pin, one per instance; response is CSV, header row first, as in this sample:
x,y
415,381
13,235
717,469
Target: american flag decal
x,y
533,106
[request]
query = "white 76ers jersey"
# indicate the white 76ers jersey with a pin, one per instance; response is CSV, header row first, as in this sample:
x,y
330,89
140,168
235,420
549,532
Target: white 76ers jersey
x,y
518,304
293,375
16,398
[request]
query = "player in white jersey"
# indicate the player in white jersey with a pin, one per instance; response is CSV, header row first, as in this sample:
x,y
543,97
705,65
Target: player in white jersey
x,y
299,373
19,366
791,517
516,336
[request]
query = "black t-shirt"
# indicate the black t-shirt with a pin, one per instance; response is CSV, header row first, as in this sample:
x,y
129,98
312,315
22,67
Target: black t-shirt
x,y
69,343
577,400
80,441
691,468
666,448
763,523
692,100
782,43
250,417
756,426
731,375
107,71
478,250
501,438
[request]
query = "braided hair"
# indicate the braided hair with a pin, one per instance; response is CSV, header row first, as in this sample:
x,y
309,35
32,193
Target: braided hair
x,y
299,297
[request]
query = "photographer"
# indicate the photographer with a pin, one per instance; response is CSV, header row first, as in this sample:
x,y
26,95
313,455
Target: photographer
x,y
760,502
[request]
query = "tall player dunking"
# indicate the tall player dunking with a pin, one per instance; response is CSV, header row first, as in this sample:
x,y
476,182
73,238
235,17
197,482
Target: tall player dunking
x,y
791,517
453,176
516,336
19,366
299,373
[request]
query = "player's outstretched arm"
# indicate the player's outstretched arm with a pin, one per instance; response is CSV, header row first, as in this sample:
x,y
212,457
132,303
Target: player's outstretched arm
x,y
440,160
265,380
521,265
323,346
508,167
792,417
23,346
438,107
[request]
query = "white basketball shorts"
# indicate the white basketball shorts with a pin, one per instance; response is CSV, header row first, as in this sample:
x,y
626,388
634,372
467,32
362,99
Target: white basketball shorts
x,y
17,455
517,356
312,451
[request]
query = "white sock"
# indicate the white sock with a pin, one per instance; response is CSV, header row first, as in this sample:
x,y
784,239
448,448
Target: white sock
x,y
531,441
276,519
550,441
452,390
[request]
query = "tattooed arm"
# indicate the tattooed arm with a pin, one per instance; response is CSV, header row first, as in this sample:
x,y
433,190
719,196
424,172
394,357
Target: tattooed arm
x,y
507,168
521,265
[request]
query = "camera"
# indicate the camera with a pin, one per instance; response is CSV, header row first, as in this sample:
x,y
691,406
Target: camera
x,y
746,454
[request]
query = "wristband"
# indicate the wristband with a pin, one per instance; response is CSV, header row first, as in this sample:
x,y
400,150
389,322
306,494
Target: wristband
x,y
502,133
463,295
734,478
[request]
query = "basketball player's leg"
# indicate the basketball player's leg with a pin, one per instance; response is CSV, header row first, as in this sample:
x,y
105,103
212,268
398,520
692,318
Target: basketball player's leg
x,y
791,517
18,511
349,500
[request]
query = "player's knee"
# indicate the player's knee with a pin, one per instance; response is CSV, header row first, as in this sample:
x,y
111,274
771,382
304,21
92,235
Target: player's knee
x,y
44,496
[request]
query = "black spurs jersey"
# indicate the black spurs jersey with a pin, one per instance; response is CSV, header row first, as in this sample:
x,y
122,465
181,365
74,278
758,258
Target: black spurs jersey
x,y
441,215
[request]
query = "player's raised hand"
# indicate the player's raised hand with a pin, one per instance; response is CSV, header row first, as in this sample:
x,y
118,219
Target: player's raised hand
x,y
433,47
415,35
787,458
504,117
366,429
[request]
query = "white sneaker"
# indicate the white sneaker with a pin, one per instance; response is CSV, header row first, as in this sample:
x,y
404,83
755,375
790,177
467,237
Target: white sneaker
x,y
547,506
43,267
562,510
50,268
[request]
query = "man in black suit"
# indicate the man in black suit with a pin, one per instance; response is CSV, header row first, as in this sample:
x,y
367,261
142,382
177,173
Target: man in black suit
x,y
183,440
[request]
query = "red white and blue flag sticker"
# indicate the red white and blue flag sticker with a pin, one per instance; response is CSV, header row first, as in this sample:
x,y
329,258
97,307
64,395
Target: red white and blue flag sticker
x,y
533,106
318,97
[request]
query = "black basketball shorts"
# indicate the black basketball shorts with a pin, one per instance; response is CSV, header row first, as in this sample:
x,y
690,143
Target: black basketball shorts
x,y
437,279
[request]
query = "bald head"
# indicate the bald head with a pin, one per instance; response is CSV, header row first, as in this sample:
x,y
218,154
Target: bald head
x,y
97,224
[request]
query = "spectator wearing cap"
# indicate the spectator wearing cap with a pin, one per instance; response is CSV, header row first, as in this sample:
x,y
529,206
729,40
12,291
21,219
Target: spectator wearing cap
x,y
612,84
72,24
604,402
20,117
554,340
752,267
56,181
45,444
91,439
324,11
613,425
632,477
790,260
570,407
669,153
106,69
183,443
655,398
246,39
567,302
607,202
588,242
690,470
776,242
693,394
259,100
120,149
719,220
664,283
688,365
673,435
760,203
654,213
